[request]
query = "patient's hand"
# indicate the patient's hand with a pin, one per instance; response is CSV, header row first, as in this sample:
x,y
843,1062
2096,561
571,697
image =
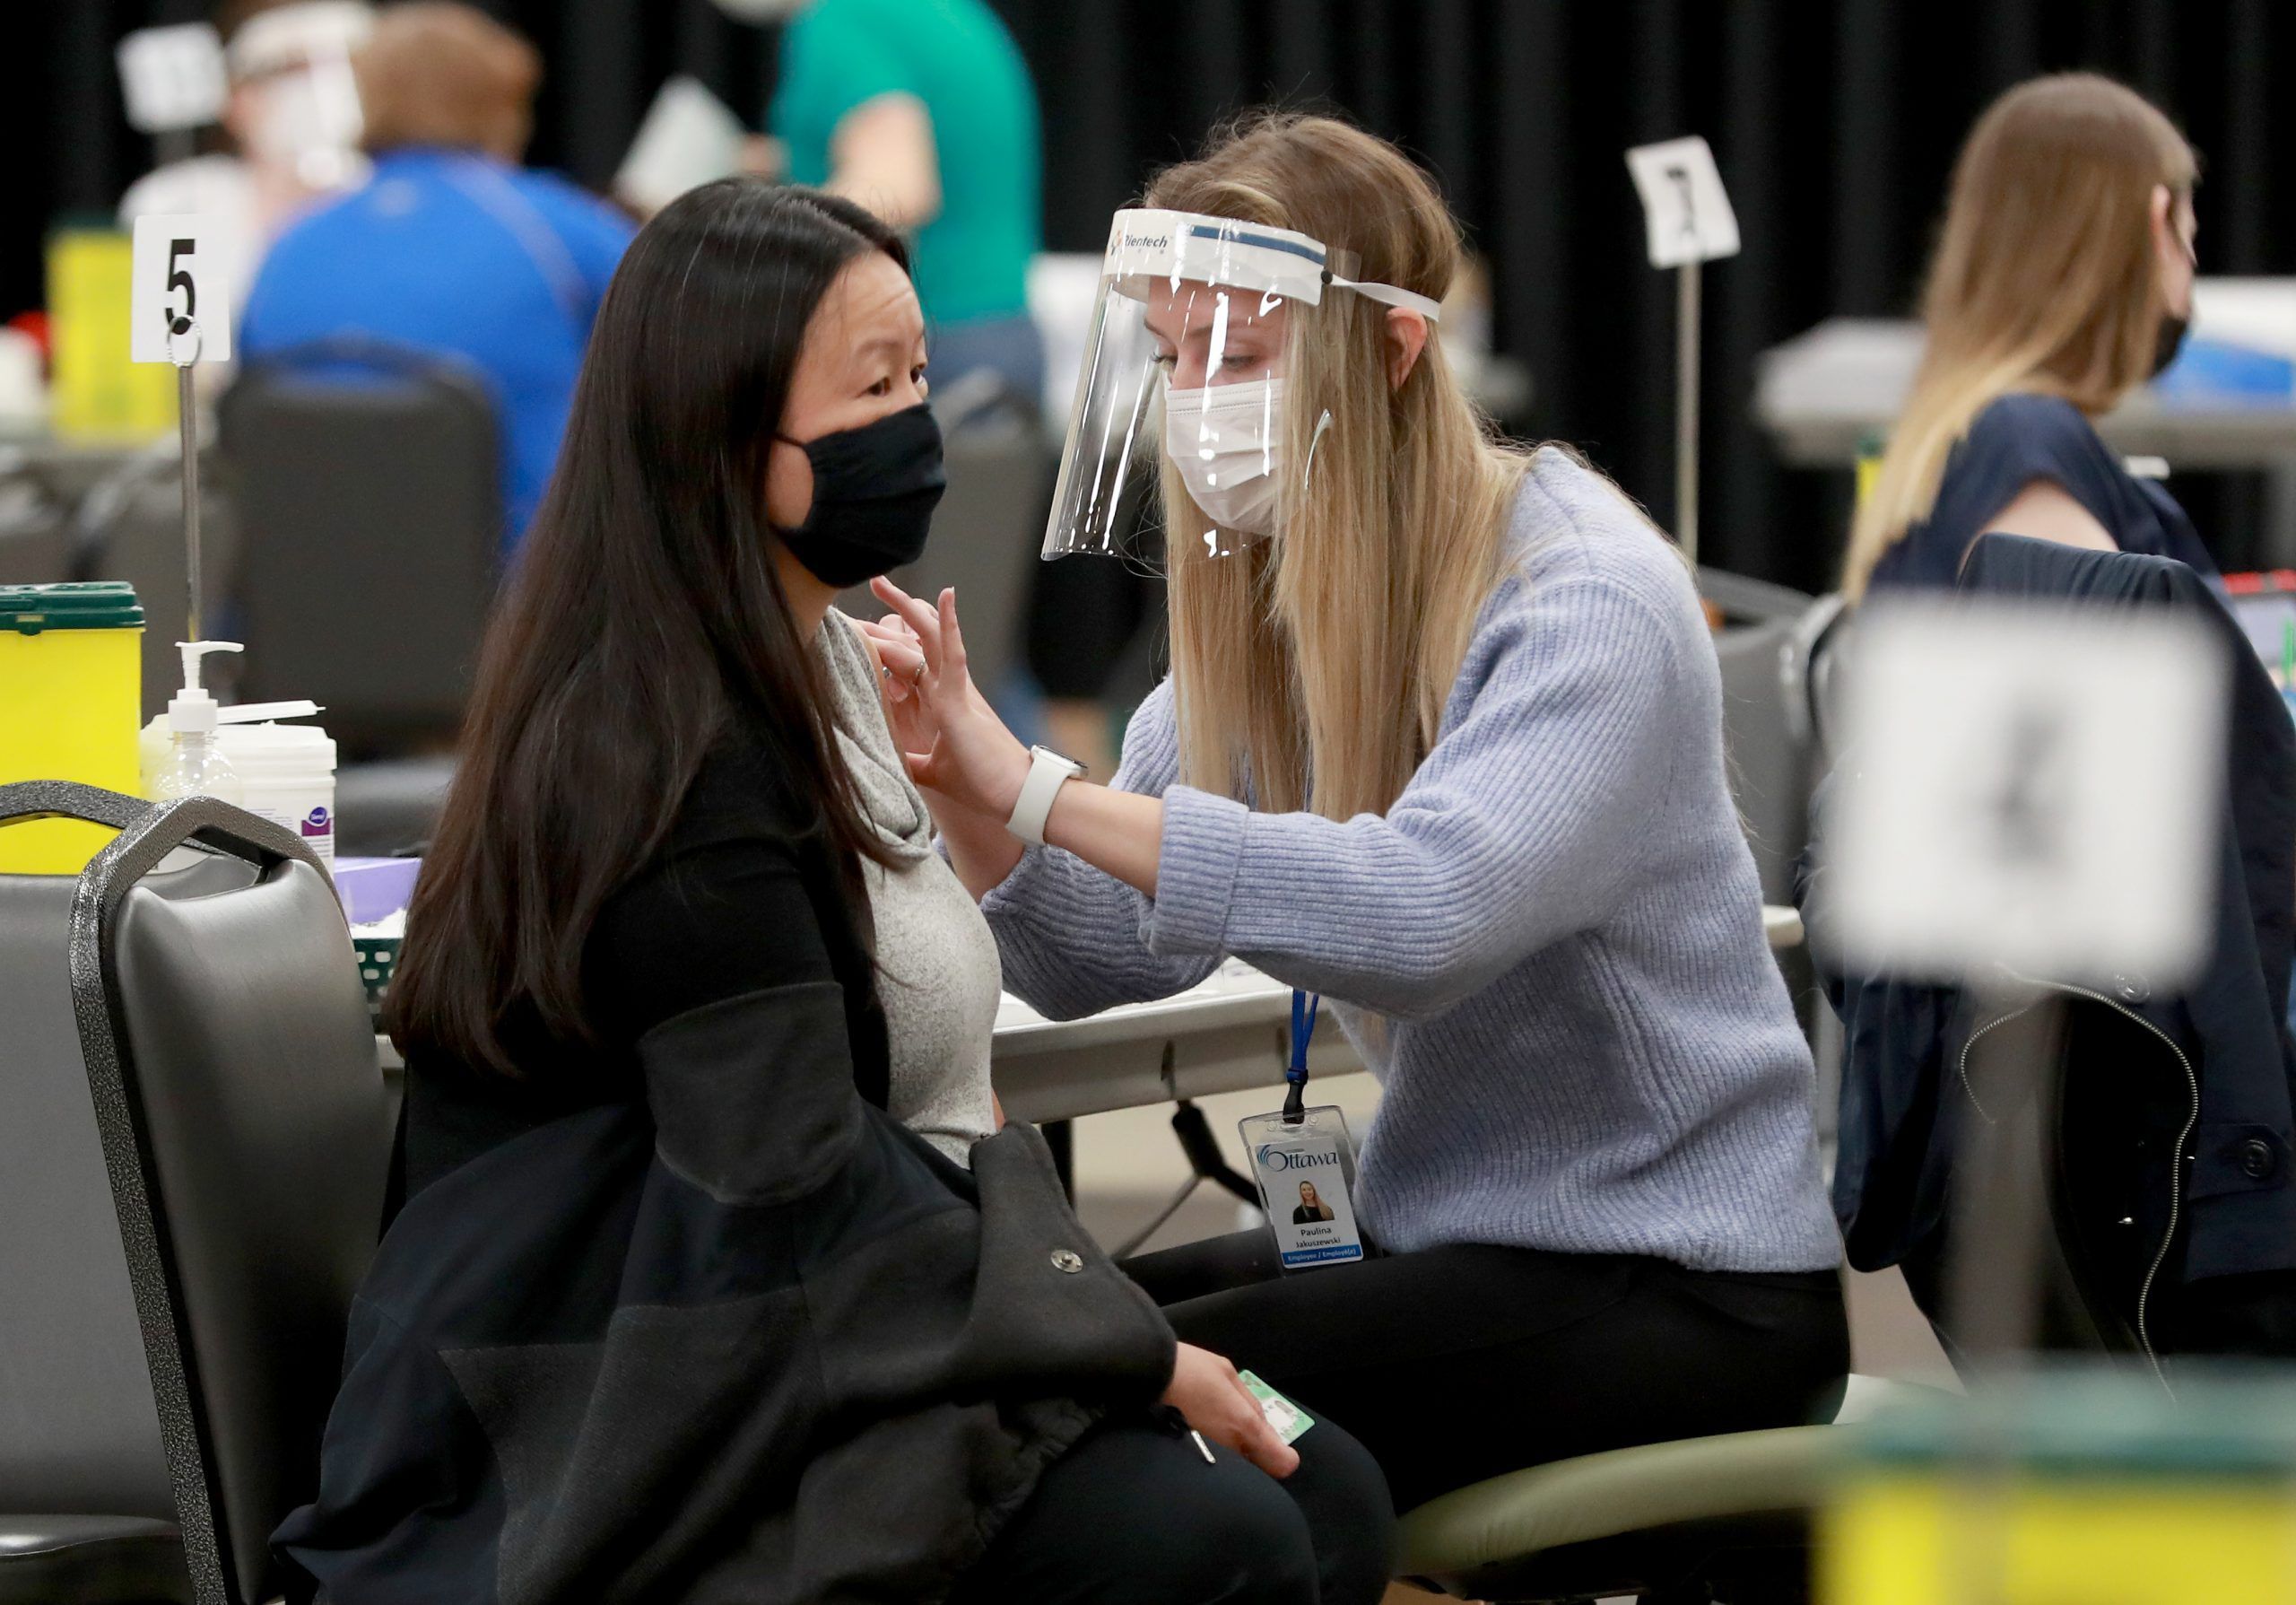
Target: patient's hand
x,y
972,761
981,849
1207,1390
893,649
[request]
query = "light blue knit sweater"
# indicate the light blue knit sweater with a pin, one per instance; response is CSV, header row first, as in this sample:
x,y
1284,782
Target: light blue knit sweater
x,y
1586,1046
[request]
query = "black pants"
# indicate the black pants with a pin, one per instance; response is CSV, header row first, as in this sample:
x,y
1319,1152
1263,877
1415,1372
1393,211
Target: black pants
x,y
1456,1364
1134,1515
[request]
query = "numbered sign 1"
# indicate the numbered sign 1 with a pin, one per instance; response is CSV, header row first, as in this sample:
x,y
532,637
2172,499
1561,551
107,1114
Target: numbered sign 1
x,y
1683,201
174,285
172,78
2030,786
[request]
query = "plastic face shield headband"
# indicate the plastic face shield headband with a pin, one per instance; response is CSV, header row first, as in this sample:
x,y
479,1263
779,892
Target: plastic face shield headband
x,y
1193,304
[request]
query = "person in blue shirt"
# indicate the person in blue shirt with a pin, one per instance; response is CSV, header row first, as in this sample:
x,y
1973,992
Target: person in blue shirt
x,y
2063,281
451,248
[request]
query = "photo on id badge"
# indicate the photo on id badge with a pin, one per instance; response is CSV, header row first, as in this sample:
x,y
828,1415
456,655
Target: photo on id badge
x,y
1302,1172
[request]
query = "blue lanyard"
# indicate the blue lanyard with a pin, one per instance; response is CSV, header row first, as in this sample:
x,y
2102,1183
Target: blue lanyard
x,y
1304,1011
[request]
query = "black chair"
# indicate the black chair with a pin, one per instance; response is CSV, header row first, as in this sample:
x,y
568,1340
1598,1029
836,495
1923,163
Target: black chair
x,y
389,808
366,480
243,1130
126,523
989,527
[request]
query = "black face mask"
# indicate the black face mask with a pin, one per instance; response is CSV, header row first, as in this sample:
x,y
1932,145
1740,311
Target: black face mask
x,y
874,489
2171,339
2168,341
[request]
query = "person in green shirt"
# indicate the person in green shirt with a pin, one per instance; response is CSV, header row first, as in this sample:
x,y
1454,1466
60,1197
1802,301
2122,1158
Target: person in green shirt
x,y
923,111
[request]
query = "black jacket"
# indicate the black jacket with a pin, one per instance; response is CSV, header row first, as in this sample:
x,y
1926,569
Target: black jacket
x,y
1900,1100
687,1315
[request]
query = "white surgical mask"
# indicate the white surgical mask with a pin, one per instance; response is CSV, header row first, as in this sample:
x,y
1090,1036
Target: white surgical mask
x,y
307,122
1224,440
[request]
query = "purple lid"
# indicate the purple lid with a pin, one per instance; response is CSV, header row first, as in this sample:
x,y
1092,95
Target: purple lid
x,y
373,889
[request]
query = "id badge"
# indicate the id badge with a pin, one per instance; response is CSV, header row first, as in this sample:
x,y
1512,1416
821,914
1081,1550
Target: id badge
x,y
1289,1421
1306,1173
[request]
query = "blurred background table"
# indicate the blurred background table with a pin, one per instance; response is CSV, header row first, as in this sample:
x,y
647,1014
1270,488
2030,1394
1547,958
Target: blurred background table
x,y
1828,396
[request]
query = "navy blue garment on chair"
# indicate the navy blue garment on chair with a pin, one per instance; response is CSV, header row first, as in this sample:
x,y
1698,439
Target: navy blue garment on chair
x,y
2230,1265
2013,442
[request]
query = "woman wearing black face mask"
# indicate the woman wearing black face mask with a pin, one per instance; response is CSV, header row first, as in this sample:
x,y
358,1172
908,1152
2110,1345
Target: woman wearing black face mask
x,y
2063,280
716,1273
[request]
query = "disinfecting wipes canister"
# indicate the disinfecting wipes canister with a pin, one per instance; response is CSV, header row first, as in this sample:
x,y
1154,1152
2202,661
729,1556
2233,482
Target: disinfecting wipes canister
x,y
286,771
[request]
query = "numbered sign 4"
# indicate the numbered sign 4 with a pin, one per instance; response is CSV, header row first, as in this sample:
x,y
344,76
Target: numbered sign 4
x,y
176,298
2030,787
1683,201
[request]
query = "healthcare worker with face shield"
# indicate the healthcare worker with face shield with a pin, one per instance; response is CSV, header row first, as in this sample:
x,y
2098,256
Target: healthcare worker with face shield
x,y
294,119
1442,745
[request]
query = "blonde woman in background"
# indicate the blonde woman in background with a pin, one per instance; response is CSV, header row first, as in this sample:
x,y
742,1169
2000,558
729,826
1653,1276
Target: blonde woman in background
x,y
2063,281
1442,742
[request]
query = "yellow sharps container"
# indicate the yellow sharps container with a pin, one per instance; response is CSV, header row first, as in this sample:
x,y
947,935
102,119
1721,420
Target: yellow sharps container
x,y
2071,1485
71,692
99,393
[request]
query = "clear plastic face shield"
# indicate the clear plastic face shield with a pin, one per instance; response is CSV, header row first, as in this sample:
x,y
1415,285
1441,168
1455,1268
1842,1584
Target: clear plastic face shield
x,y
293,68
1185,362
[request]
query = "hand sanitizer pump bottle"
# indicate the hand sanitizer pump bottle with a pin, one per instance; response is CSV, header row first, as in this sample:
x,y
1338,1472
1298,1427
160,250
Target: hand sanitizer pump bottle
x,y
196,765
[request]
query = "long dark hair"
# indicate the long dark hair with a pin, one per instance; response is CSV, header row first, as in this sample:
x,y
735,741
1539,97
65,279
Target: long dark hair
x,y
643,615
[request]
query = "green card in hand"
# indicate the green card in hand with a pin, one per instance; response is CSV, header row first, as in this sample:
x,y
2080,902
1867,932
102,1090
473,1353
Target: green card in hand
x,y
1288,1419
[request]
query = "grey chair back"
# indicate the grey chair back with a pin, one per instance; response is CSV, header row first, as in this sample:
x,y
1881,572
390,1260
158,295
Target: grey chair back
x,y
1777,653
1747,600
79,1432
1771,745
1770,770
986,534
1816,659
1765,738
246,1130
367,485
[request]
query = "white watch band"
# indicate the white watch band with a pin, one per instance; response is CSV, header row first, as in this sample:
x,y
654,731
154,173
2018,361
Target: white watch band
x,y
1048,773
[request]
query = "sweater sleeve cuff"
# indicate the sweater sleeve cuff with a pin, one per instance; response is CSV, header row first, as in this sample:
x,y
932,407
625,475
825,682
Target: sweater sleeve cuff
x,y
1202,851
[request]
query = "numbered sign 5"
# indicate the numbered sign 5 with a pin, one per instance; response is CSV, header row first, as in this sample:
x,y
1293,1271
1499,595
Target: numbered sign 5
x,y
177,296
1683,201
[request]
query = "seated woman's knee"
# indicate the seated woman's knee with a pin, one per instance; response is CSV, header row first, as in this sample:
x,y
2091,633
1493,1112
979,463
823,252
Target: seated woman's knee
x,y
1232,1534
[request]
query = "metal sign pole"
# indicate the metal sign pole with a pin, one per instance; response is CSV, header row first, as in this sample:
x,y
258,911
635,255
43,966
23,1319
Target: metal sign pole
x,y
1688,214
1686,409
187,329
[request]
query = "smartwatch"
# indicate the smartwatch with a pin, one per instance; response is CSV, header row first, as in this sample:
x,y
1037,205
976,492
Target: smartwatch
x,y
1048,773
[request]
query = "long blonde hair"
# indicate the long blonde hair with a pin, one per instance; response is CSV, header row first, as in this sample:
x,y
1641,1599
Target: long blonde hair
x,y
1314,667
2045,280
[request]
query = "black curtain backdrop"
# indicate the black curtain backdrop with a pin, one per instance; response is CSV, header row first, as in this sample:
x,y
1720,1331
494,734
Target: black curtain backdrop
x,y
1835,125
